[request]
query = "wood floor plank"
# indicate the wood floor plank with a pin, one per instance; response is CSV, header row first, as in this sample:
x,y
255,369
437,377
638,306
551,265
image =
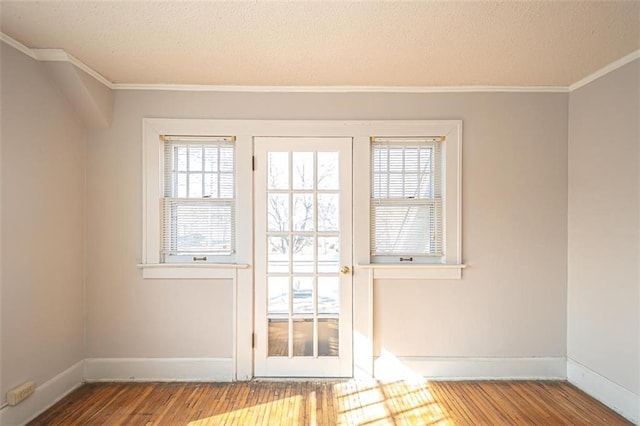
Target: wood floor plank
x,y
299,412
253,403
329,403
453,413
513,404
542,401
496,416
194,404
269,396
535,408
462,407
440,404
326,404
102,407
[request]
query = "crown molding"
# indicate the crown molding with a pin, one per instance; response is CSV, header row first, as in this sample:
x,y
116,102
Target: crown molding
x,y
605,70
54,55
339,89
17,45
62,56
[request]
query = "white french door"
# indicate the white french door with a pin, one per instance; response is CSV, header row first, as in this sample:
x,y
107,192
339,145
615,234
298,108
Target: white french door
x,y
303,257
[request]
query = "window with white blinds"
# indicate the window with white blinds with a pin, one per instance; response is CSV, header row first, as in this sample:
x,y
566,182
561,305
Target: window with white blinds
x,y
406,199
198,203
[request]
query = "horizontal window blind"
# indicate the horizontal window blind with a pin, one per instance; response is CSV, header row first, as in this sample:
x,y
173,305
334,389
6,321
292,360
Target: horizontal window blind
x,y
198,206
406,197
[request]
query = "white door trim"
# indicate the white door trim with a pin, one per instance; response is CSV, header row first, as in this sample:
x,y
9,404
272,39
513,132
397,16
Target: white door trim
x,y
341,366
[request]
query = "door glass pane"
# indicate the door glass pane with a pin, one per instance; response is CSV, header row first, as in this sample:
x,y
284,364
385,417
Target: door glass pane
x,y
303,337
328,295
303,295
328,177
278,337
303,259
328,337
302,170
278,254
278,295
328,254
278,212
278,170
328,208
303,210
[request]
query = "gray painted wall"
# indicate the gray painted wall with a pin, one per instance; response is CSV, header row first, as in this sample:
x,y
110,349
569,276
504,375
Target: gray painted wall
x,y
42,220
603,276
511,302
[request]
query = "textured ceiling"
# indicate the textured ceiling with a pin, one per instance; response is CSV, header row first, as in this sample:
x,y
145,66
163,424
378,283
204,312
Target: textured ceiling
x,y
333,43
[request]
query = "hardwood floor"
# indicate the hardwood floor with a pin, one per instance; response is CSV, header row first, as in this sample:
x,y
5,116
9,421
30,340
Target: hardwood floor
x,y
328,403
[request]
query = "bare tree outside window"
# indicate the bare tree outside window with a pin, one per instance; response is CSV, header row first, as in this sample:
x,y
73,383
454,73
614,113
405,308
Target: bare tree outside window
x,y
302,216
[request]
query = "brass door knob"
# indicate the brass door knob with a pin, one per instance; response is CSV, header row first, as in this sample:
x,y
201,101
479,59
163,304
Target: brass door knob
x,y
345,270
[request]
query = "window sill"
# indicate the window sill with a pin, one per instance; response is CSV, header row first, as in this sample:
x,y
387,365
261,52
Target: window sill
x,y
414,272
190,271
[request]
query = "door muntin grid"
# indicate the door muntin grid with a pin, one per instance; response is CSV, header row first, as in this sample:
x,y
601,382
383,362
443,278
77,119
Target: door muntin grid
x,y
303,253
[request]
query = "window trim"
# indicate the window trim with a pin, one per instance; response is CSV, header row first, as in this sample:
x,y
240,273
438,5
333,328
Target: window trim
x,y
451,265
152,190
245,130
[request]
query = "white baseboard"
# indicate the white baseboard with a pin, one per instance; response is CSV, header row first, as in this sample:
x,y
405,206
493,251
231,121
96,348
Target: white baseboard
x,y
44,396
159,369
619,399
389,367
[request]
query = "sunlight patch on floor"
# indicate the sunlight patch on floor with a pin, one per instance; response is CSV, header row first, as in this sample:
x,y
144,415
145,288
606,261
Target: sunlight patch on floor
x,y
384,403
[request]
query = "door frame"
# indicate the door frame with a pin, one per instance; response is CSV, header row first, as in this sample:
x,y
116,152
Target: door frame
x,y
341,366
